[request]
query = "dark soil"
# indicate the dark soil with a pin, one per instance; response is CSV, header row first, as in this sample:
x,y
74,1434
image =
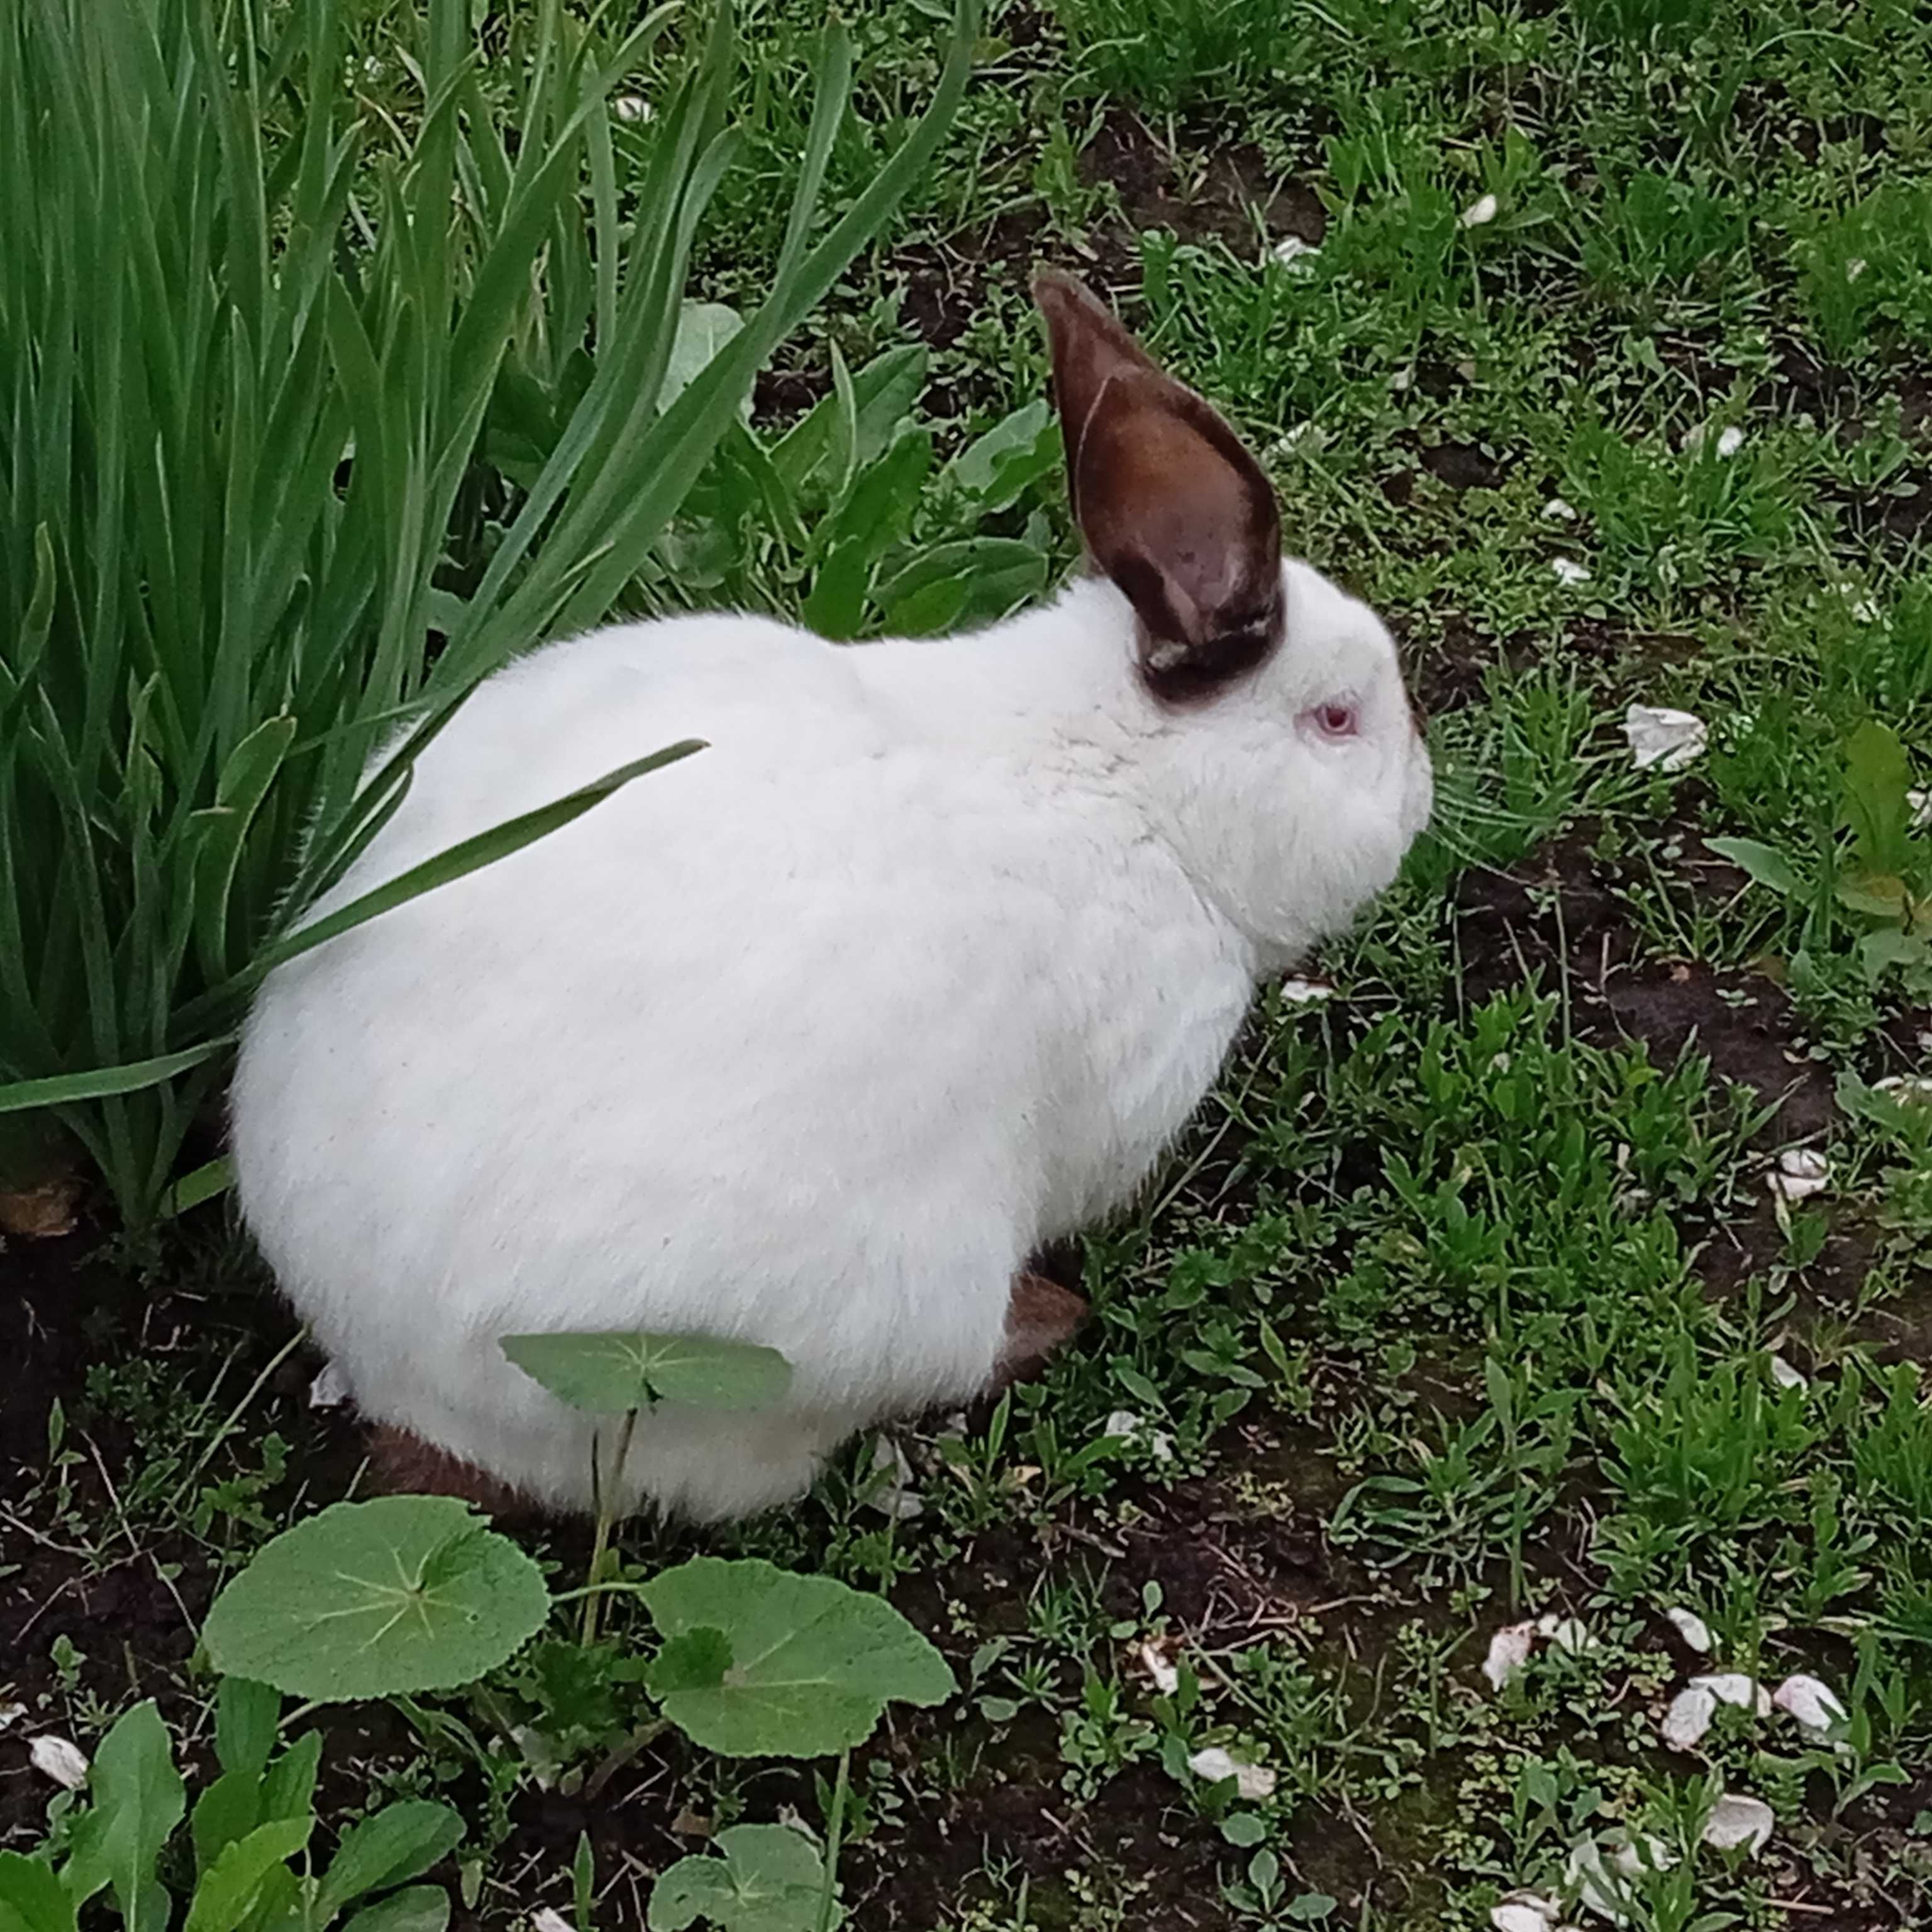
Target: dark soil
x,y
1564,905
1230,198
943,287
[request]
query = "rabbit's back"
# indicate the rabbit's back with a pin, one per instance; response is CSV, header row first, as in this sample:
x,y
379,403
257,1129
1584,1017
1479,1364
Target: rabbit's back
x,y
806,1039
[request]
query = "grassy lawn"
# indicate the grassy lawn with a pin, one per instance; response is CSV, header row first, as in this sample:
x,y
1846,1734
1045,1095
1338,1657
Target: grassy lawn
x,y
1558,1258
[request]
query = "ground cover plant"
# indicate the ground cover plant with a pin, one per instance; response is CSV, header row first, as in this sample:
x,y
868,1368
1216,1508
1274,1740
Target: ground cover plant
x,y
1497,1486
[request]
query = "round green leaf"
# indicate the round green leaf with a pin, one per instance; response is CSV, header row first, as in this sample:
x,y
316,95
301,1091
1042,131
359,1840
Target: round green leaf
x,y
368,1599
770,1879
813,1662
608,1374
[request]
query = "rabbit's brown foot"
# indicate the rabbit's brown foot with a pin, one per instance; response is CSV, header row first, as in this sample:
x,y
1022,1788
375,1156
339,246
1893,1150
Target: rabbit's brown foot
x,y
404,1464
1040,1316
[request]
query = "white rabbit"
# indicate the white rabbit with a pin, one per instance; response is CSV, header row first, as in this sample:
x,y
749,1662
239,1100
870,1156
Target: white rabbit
x,y
814,1039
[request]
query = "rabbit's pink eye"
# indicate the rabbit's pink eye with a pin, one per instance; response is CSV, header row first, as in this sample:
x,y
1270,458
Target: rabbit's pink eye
x,y
1336,721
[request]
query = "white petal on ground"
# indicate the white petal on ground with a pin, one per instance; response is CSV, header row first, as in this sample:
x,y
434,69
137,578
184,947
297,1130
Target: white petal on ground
x,y
1567,570
1919,798
1291,252
60,1759
1733,1687
1784,1375
330,1389
1567,1633
1128,1427
892,1492
1480,212
1524,1912
1559,512
1306,992
1688,1717
632,107
549,1919
1216,1766
1651,1855
1666,739
1814,1705
1151,1655
11,1715
539,1755
1736,1820
1692,1628
1509,1651
1910,1090
1801,1173
1729,441
1597,1884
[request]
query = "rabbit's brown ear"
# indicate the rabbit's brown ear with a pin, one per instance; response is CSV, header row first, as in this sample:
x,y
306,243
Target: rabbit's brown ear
x,y
1171,507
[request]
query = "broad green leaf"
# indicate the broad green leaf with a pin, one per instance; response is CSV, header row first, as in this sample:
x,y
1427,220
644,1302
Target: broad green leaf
x,y
1877,896
416,1908
609,1374
703,329
230,1808
769,1879
400,1843
374,1599
973,580
876,511
1878,775
996,468
32,1898
1764,863
138,1799
278,1905
288,1785
62,1090
1878,952
882,393
229,1890
813,1664
246,1715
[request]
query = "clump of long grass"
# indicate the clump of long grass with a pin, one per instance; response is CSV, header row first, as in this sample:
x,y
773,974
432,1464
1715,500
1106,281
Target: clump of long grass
x,y
252,330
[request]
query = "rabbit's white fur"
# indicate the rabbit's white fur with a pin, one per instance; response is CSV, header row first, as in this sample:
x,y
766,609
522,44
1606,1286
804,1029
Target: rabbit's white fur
x,y
811,1039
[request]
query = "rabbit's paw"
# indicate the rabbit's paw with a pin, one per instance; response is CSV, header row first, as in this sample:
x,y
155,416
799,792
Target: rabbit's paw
x,y
1040,1316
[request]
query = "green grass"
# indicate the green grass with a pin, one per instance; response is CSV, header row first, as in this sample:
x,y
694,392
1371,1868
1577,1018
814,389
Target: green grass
x,y
1464,1301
